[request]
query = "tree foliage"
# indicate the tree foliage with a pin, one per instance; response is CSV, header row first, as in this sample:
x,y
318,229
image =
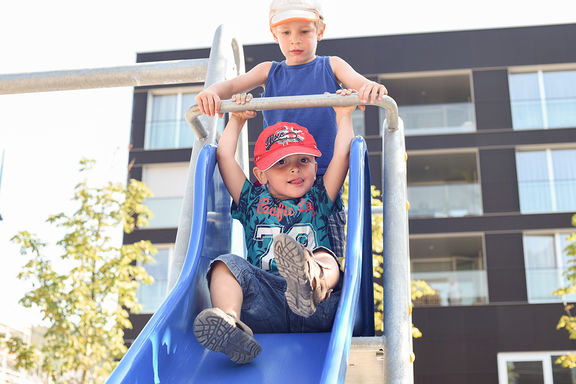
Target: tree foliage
x,y
86,302
568,319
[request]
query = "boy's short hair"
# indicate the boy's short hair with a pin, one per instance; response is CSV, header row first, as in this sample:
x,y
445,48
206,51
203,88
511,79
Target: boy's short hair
x,y
285,11
282,140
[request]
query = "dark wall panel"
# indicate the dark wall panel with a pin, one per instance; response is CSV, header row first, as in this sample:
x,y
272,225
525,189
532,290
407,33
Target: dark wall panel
x,y
461,344
499,181
492,100
505,268
139,105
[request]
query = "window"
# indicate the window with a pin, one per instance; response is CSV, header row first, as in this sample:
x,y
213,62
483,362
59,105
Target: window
x,y
167,183
443,185
166,125
547,180
545,259
542,100
433,104
152,295
533,368
453,266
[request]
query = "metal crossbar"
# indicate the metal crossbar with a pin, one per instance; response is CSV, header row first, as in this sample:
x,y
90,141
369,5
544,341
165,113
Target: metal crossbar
x,y
143,74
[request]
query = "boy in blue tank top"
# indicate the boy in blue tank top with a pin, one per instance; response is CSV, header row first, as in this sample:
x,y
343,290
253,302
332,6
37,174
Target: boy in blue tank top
x,y
297,26
290,279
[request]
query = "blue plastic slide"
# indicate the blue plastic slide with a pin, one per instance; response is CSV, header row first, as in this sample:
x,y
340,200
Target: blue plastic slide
x,y
166,350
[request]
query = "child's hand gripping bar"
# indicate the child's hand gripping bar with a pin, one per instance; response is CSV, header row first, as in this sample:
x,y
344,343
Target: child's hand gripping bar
x,y
290,102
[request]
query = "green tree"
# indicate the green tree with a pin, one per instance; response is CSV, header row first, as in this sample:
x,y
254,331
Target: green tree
x,y
568,319
86,303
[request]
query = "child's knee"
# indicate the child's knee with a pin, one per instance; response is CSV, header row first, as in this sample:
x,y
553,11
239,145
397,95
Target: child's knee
x,y
217,270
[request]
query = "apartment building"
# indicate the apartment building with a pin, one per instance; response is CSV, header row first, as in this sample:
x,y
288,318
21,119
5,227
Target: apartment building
x,y
490,120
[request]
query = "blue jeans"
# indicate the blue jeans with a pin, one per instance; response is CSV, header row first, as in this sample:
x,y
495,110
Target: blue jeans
x,y
264,308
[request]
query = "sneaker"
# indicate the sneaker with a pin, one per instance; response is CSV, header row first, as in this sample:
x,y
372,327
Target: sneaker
x,y
219,331
306,285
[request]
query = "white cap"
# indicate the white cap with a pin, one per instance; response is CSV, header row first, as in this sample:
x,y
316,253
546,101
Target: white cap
x,y
285,11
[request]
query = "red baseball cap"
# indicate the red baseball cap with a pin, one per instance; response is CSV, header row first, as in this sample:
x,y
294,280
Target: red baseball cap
x,y
282,140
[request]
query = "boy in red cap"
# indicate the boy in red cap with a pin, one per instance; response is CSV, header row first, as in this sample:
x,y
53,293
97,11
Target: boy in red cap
x,y
297,26
289,281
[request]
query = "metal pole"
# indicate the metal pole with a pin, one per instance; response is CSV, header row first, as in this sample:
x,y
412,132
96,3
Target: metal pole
x,y
308,101
226,59
143,74
397,299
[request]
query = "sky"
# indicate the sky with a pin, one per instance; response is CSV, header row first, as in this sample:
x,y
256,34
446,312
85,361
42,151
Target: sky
x,y
44,135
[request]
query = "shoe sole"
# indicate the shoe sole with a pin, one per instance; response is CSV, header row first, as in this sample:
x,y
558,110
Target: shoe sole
x,y
216,334
291,262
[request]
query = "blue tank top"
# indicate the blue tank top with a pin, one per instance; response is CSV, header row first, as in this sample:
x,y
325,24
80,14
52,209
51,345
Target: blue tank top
x,y
313,78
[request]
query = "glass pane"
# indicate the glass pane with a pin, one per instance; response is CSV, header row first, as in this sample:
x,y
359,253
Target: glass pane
x,y
533,182
166,211
161,129
561,112
152,295
525,372
543,275
560,91
564,166
438,118
525,99
562,375
445,200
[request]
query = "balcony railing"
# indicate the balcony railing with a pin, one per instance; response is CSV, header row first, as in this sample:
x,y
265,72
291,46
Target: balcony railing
x,y
447,200
541,282
168,134
541,196
455,287
438,118
543,114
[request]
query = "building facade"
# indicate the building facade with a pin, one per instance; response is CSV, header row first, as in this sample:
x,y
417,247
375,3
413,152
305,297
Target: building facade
x,y
490,120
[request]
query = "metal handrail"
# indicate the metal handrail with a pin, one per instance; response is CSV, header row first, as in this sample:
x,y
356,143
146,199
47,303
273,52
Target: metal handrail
x,y
291,102
142,74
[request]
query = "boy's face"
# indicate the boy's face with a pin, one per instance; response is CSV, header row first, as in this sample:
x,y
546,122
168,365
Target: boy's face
x,y
298,41
291,177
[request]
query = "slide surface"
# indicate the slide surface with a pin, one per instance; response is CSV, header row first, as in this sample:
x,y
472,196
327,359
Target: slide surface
x,y
166,350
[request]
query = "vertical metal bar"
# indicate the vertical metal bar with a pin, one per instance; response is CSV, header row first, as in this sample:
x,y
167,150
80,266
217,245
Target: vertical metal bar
x,y
226,56
397,300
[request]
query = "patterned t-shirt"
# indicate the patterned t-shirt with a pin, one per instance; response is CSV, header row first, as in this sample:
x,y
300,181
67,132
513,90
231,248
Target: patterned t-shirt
x,y
264,216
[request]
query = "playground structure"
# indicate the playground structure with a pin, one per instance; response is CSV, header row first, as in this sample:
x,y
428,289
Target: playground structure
x,y
166,351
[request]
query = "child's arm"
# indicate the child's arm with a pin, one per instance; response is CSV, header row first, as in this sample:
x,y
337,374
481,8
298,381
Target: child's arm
x,y
209,99
338,167
230,170
368,90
